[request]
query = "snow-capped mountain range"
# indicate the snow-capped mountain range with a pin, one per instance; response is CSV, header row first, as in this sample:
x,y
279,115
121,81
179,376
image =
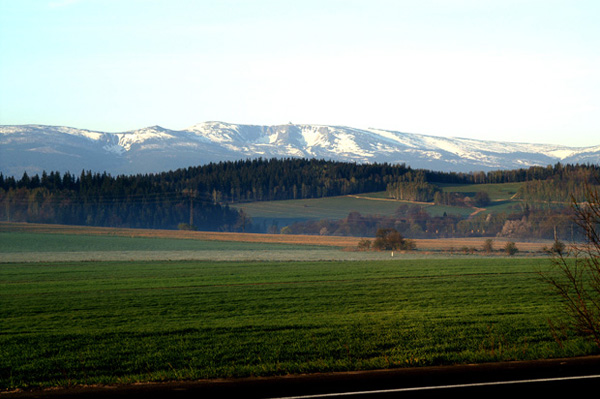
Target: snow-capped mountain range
x,y
37,148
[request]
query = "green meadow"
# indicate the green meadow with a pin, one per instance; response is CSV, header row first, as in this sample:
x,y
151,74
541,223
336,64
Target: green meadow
x,y
289,211
27,242
333,208
497,191
68,323
319,208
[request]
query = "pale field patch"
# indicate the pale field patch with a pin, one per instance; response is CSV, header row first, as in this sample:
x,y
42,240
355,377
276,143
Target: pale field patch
x,y
331,247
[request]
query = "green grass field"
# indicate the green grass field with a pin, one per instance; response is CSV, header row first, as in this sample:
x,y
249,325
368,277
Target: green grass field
x,y
115,322
333,208
501,195
19,242
287,212
107,322
319,208
50,247
497,192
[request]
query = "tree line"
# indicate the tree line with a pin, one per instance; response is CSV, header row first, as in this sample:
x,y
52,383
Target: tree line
x,y
567,183
413,222
199,196
102,200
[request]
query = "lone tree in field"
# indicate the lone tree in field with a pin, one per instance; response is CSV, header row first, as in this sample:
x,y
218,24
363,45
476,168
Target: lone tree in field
x,y
576,275
391,239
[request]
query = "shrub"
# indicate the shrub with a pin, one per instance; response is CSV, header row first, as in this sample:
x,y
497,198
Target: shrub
x,y
482,199
510,248
391,239
186,226
364,244
488,246
558,247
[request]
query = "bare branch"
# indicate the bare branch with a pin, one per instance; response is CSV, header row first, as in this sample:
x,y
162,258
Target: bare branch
x,y
576,274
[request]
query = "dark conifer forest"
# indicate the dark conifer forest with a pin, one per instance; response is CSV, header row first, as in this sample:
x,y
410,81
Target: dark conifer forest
x,y
200,197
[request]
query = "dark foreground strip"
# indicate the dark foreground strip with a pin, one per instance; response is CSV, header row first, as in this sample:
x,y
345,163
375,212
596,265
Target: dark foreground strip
x,y
428,388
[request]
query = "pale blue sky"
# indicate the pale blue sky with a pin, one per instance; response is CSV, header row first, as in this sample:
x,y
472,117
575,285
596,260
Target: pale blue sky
x,y
526,70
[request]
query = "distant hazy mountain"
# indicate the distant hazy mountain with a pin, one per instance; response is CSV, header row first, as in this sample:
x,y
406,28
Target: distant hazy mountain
x,y
35,148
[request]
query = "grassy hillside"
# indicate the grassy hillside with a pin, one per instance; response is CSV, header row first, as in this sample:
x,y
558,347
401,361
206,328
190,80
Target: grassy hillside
x,y
497,192
289,211
283,213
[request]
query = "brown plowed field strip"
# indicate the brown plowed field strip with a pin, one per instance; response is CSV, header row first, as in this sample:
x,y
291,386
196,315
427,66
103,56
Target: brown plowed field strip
x,y
441,244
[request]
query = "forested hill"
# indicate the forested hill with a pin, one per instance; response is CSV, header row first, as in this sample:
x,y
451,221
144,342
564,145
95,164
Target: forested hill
x,y
200,195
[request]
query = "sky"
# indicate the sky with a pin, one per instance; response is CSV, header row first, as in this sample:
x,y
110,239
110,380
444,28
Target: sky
x,y
522,71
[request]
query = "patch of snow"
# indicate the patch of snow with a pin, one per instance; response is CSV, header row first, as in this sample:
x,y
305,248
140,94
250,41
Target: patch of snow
x,y
126,140
114,148
424,154
294,151
96,136
273,137
561,154
211,133
396,137
345,144
311,136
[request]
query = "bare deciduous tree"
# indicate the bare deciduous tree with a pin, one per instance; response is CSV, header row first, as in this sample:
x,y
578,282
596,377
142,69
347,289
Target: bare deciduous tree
x,y
488,246
576,275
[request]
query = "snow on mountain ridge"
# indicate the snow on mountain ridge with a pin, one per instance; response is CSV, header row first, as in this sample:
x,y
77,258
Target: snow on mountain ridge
x,y
126,140
26,145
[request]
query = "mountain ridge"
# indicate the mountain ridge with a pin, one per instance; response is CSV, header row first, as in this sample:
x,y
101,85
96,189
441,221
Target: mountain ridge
x,y
34,148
